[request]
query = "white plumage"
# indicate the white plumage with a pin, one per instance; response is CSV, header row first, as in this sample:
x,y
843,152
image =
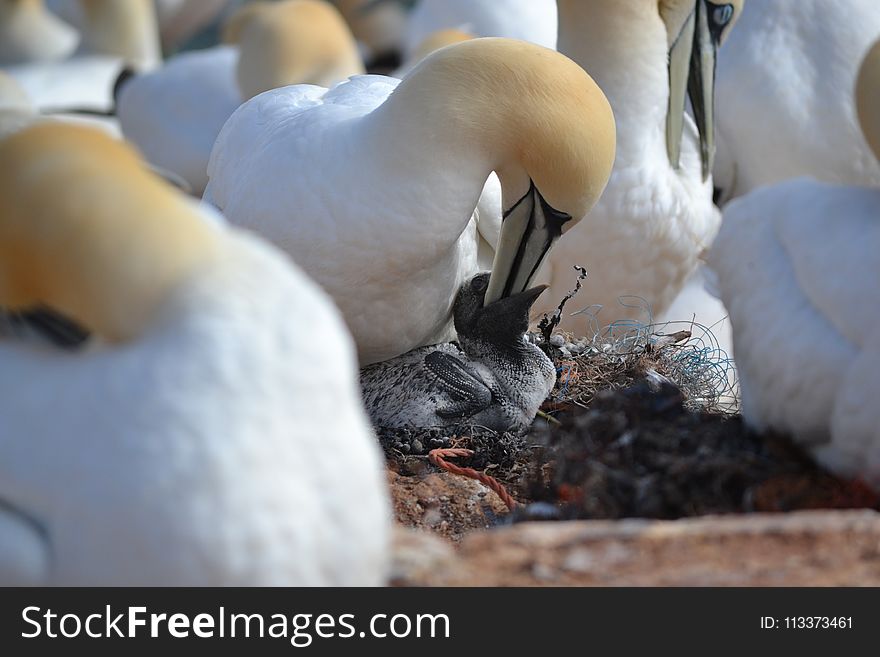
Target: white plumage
x,y
218,444
785,107
174,114
798,270
300,166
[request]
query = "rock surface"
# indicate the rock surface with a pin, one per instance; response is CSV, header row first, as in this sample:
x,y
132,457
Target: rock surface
x,y
815,548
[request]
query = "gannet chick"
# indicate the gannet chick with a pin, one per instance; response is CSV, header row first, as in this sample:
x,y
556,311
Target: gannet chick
x,y
204,441
494,377
798,268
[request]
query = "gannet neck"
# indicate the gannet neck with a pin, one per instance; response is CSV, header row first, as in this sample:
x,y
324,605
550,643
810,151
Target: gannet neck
x,y
291,42
86,230
623,45
868,98
126,29
523,111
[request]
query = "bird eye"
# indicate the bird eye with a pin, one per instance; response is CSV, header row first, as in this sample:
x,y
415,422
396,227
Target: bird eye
x,y
722,14
481,283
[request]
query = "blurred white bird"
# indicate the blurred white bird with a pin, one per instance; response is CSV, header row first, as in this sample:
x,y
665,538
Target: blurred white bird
x,y
372,185
115,35
643,240
174,114
785,105
204,439
529,20
799,270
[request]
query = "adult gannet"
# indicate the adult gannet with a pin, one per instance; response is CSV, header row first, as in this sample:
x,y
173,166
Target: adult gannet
x,y
174,114
30,33
785,105
128,30
205,441
644,237
799,270
116,35
494,377
371,185
529,20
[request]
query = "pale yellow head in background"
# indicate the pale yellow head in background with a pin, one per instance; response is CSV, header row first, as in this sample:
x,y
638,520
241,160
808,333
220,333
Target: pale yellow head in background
x,y
868,98
127,29
86,230
291,42
379,26
440,39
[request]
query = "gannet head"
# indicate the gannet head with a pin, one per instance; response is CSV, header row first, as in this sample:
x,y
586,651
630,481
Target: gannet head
x,y
86,230
547,129
501,322
379,25
868,98
439,39
291,42
695,30
124,29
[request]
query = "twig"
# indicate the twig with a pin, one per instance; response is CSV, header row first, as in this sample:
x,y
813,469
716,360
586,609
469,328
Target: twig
x,y
438,456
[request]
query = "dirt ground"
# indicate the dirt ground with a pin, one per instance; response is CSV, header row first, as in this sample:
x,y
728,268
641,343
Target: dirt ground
x,y
624,438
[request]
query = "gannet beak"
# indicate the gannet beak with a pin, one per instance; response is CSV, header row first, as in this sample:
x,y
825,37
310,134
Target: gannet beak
x,y
679,67
509,317
692,60
711,19
528,230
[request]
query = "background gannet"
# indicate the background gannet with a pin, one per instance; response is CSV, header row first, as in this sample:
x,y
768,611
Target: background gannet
x,y
379,27
785,104
799,270
529,20
174,114
31,33
116,35
371,186
434,41
128,30
645,235
494,378
205,441
180,20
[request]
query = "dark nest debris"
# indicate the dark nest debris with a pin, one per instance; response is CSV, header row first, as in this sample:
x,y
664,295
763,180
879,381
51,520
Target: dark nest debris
x,y
639,452
637,426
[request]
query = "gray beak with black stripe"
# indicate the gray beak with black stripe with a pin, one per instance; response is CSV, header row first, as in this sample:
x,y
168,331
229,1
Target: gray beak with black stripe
x,y
528,230
692,59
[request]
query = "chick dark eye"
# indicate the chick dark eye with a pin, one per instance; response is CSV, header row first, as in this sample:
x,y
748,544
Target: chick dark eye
x,y
480,284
